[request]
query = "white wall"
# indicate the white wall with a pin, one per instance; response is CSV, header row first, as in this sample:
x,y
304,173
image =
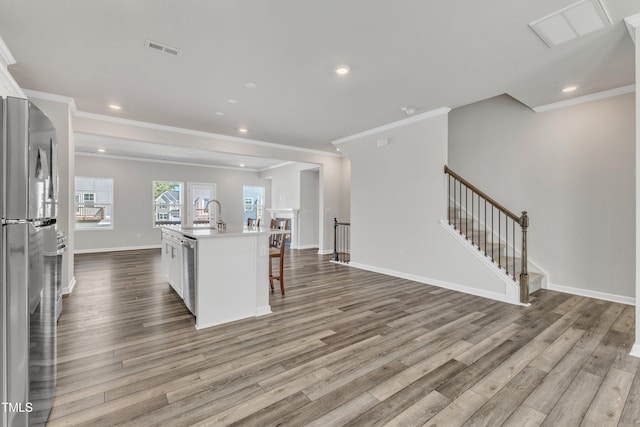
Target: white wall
x,y
285,184
309,208
398,202
333,186
572,169
133,218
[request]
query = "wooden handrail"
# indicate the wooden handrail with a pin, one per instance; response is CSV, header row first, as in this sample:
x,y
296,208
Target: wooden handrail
x,y
472,187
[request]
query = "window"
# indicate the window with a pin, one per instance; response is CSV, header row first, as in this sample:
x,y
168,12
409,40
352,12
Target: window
x,y
94,203
167,203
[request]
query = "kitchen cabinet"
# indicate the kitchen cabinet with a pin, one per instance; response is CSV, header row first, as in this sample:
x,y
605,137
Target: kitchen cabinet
x,y
229,280
171,262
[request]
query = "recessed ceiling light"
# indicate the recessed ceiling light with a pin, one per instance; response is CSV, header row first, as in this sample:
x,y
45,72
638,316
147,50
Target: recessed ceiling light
x,y
101,150
408,111
342,70
219,113
243,130
250,85
569,89
115,107
241,165
232,101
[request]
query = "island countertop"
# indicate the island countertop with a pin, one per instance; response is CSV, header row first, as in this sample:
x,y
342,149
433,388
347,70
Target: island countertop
x,y
206,231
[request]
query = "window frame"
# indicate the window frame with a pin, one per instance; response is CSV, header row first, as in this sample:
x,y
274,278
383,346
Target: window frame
x,y
167,208
80,199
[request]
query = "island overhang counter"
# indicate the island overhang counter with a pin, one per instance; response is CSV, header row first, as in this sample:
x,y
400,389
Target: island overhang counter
x,y
231,272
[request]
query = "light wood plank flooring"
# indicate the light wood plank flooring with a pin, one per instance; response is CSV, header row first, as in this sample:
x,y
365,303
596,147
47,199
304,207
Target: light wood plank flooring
x,y
344,347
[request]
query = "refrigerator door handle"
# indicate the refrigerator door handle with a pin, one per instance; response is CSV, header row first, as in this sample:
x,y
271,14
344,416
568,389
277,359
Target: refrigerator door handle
x,y
42,167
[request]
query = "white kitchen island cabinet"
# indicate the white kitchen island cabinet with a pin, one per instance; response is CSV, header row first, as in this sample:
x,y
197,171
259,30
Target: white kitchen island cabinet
x,y
231,272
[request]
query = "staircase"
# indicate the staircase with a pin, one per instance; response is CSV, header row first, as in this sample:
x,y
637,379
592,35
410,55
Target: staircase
x,y
497,252
493,230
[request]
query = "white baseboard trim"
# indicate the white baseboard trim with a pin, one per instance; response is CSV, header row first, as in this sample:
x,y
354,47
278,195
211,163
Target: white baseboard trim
x,y
325,252
261,311
307,247
635,350
440,283
69,288
592,294
125,248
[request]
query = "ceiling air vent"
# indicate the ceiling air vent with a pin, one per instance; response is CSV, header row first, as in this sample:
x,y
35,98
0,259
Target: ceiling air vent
x,y
576,20
162,48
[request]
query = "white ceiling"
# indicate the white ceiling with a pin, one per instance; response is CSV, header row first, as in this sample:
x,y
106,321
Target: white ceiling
x,y
420,54
88,144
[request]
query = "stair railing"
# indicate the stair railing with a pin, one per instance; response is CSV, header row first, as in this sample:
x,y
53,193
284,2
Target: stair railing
x,y
477,217
341,241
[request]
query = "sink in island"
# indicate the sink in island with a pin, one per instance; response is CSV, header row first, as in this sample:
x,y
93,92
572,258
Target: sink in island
x,y
222,276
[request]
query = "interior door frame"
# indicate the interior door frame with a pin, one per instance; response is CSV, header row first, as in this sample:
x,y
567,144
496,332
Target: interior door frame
x,y
191,186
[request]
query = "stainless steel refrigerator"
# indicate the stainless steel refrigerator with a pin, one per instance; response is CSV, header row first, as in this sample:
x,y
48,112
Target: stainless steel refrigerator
x,y
29,263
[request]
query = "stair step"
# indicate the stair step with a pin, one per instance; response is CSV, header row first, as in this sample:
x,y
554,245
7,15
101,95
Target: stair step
x,y
469,229
460,222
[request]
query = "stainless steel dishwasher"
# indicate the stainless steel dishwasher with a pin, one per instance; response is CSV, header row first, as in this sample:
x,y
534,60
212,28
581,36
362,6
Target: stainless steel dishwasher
x,y
189,272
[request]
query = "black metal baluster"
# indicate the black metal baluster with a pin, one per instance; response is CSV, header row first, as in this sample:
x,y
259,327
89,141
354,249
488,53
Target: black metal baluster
x,y
485,226
449,199
335,239
513,247
473,237
492,233
455,200
499,238
506,241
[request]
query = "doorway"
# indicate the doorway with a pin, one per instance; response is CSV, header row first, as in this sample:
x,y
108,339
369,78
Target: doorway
x,y
198,196
253,203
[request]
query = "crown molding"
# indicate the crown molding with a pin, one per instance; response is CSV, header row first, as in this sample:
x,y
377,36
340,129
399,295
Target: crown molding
x,y
169,162
393,125
632,22
210,135
586,98
279,165
5,54
148,125
54,98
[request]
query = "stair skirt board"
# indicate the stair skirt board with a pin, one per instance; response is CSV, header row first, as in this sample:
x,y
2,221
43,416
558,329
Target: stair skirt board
x,y
539,282
635,350
512,295
492,266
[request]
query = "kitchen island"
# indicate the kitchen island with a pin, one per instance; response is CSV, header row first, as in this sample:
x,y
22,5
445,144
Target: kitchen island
x,y
225,274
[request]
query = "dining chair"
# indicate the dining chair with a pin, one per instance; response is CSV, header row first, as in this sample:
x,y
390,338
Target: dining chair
x,y
277,224
277,245
252,222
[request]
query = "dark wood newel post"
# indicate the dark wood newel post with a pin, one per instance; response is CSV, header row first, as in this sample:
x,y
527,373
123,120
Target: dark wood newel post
x,y
524,275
